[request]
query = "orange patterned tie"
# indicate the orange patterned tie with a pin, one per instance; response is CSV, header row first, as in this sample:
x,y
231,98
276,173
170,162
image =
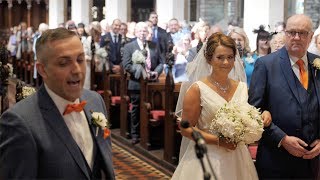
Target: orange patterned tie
x,y
303,74
74,107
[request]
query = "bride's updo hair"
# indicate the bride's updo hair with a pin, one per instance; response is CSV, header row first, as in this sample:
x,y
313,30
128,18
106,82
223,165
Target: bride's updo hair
x,y
216,40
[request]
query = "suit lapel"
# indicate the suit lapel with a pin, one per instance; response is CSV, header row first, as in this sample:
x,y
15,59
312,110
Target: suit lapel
x,y
287,72
52,115
90,107
315,76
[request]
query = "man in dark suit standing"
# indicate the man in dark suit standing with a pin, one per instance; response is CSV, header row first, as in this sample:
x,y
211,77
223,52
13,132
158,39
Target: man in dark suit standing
x,y
52,133
160,36
115,45
287,84
153,67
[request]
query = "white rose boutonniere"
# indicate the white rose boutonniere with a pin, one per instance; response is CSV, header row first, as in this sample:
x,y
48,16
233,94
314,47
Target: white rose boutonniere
x,y
316,64
100,120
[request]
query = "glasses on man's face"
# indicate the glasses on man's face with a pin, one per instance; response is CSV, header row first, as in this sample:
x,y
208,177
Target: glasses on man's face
x,y
301,34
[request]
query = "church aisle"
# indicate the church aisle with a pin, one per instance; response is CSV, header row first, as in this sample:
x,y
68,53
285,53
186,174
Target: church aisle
x,y
128,166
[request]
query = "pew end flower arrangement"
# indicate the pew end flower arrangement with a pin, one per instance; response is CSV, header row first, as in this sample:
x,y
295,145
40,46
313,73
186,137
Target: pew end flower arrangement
x,y
238,123
100,120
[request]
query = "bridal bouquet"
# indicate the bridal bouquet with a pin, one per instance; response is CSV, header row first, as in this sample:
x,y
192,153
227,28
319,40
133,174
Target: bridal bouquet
x,y
238,122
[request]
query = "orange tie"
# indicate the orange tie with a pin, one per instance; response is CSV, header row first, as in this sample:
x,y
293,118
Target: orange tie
x,y
303,74
74,107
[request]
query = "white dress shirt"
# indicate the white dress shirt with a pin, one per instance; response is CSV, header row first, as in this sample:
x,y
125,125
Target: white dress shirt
x,y
77,124
295,67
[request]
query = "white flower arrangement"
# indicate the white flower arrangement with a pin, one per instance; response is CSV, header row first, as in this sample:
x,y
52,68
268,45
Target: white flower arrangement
x,y
316,64
238,122
27,91
138,57
100,120
100,59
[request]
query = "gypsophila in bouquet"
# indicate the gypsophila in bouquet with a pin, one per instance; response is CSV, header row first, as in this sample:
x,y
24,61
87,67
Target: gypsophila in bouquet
x,y
238,122
138,57
27,91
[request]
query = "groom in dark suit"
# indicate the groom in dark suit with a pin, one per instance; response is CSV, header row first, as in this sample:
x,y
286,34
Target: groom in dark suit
x,y
51,134
153,67
287,84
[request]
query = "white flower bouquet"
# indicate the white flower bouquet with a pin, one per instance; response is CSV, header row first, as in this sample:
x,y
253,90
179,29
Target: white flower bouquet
x,y
27,91
238,122
138,57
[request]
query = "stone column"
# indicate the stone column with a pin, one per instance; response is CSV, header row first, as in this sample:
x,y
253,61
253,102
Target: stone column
x,y
29,6
81,11
9,13
117,9
265,12
56,13
168,9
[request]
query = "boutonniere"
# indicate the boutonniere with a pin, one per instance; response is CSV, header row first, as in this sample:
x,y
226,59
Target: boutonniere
x,y
316,64
100,120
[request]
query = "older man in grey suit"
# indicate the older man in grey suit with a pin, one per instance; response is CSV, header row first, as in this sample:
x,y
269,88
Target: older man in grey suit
x,y
153,67
48,135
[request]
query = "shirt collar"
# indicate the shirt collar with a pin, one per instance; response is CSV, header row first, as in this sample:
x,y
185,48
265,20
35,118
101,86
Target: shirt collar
x,y
60,102
293,60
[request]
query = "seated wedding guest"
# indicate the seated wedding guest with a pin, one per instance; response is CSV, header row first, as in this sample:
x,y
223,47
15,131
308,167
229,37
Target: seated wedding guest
x,y
314,46
201,32
42,28
242,42
277,41
262,49
55,133
99,57
210,89
286,84
115,45
280,26
82,32
131,30
70,25
149,67
181,51
214,29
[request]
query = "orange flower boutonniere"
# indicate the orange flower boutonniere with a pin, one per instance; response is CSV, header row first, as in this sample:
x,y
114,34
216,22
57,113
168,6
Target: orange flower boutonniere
x,y
100,120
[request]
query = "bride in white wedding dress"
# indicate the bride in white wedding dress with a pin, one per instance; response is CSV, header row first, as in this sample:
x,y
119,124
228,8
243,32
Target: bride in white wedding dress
x,y
212,88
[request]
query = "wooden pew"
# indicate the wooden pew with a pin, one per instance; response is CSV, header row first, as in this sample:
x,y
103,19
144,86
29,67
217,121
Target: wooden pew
x,y
124,105
4,79
172,138
111,96
151,98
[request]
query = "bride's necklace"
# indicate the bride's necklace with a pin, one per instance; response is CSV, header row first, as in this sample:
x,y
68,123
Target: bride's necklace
x,y
219,86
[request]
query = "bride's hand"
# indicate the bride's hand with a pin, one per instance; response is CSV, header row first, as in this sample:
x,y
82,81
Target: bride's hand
x,y
223,142
266,117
